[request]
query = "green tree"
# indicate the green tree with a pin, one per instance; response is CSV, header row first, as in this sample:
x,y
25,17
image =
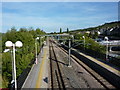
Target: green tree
x,y
95,35
24,55
67,30
23,30
38,31
60,30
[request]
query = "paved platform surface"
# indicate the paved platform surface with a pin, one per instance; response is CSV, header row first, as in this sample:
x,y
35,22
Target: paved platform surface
x,y
38,76
107,66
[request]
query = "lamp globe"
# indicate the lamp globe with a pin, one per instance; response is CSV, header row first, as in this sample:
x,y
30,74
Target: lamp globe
x,y
18,44
8,44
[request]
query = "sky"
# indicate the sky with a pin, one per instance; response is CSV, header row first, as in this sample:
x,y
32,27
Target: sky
x,y
59,0
51,16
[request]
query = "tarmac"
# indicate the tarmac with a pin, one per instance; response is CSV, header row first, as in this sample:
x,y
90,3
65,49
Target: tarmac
x,y
38,75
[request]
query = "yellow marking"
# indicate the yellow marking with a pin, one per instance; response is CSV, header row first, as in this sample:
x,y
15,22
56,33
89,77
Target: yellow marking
x,y
38,83
117,72
105,65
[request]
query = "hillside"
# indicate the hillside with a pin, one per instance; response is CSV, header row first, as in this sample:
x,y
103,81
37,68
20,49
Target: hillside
x,y
112,30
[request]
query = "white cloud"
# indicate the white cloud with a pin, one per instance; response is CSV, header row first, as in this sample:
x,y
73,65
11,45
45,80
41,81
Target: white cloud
x,y
48,23
18,21
30,15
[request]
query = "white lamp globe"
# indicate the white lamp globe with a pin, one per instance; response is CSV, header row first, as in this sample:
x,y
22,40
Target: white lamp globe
x,y
106,38
37,38
72,36
8,44
18,44
98,32
83,36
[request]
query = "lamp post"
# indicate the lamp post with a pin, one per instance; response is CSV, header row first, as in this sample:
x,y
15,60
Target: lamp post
x,y
84,42
69,53
36,50
106,38
17,44
72,37
69,59
12,67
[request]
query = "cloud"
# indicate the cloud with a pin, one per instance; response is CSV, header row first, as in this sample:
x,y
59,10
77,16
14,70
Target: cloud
x,y
52,16
18,21
49,23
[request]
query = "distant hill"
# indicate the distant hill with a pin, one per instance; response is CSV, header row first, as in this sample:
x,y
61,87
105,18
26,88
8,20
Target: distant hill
x,y
112,30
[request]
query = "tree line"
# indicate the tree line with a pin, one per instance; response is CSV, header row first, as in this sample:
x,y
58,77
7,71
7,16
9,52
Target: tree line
x,y
24,55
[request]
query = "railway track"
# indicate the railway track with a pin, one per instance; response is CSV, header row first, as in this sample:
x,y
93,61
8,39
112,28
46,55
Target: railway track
x,y
55,71
99,78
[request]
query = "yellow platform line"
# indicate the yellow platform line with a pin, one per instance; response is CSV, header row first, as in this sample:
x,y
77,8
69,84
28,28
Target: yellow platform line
x,y
38,83
101,63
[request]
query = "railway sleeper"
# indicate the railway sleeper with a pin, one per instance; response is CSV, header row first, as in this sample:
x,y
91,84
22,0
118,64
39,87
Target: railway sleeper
x,y
105,82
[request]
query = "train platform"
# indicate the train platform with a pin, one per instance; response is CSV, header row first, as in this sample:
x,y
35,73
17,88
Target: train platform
x,y
101,63
105,70
111,74
110,67
38,75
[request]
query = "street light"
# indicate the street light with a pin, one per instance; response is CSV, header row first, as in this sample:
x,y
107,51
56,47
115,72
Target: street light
x,y
69,53
17,44
84,42
36,49
106,38
72,37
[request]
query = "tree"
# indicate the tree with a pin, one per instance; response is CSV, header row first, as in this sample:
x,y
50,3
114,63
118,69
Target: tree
x,y
67,30
13,29
95,35
30,28
23,30
60,30
24,55
54,32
